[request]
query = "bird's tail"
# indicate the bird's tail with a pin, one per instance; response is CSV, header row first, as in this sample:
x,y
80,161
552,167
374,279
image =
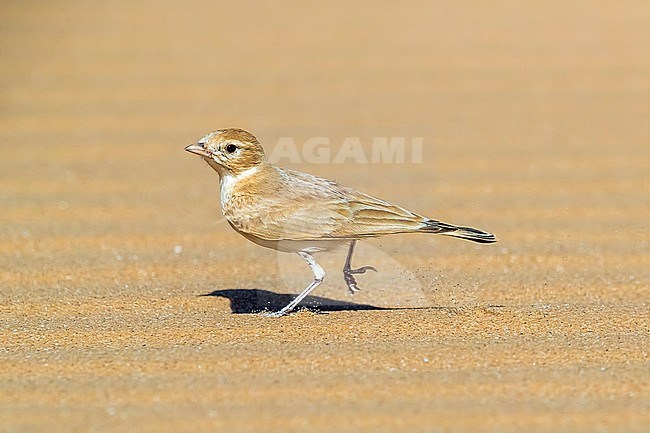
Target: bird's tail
x,y
469,233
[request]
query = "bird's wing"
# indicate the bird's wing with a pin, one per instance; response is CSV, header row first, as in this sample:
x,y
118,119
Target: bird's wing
x,y
375,217
302,221
310,207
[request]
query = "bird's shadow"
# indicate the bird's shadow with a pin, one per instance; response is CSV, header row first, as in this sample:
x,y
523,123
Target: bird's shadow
x,y
248,301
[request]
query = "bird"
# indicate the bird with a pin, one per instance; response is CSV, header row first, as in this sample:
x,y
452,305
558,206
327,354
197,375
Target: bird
x,y
295,212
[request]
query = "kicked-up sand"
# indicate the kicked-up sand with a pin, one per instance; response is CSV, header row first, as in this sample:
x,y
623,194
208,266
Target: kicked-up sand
x,y
128,304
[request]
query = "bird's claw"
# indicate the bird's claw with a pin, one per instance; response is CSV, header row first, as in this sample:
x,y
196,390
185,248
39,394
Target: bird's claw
x,y
363,270
348,274
352,287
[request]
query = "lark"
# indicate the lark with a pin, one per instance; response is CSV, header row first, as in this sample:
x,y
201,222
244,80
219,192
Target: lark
x,y
295,212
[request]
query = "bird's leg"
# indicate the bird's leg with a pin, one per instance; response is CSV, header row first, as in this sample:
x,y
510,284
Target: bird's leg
x,y
348,272
319,275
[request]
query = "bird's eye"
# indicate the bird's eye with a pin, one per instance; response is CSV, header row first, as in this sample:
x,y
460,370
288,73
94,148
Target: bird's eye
x,y
231,148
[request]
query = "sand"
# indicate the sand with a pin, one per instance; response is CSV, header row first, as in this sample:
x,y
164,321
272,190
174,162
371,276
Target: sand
x,y
127,304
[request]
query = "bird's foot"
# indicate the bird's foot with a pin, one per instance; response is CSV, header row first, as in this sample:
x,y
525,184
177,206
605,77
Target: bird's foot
x,y
279,313
349,274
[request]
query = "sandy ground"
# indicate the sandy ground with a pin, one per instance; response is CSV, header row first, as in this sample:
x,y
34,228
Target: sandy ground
x,y
127,304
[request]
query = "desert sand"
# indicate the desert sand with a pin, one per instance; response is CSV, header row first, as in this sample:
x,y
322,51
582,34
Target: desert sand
x,y
127,304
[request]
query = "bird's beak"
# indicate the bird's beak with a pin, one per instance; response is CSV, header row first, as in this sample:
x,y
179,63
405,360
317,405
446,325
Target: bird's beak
x,y
198,149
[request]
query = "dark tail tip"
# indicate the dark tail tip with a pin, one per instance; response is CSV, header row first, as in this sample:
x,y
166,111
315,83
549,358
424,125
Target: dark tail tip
x,y
474,235
467,233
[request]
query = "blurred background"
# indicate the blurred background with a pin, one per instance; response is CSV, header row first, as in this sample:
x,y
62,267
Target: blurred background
x,y
534,120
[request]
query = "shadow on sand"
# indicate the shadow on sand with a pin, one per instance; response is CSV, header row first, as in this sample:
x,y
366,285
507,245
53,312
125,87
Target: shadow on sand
x,y
246,301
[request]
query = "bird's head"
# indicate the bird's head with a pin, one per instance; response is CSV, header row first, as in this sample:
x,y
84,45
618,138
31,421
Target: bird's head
x,y
229,151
